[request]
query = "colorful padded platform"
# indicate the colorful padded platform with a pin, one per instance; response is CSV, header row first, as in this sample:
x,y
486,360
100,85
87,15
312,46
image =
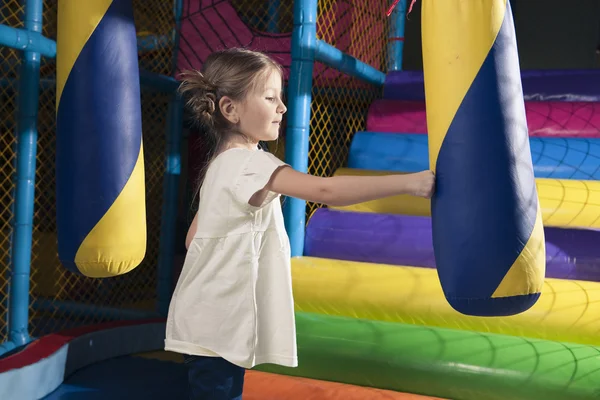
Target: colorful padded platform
x,y
579,85
567,310
544,119
556,158
455,364
406,240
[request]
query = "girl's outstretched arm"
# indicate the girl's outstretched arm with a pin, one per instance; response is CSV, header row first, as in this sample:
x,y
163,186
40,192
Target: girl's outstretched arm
x,y
347,190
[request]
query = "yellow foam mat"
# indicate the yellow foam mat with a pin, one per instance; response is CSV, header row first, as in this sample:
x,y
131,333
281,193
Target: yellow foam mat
x,y
564,202
567,310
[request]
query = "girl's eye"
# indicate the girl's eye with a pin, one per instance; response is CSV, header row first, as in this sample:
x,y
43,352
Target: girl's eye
x,y
270,98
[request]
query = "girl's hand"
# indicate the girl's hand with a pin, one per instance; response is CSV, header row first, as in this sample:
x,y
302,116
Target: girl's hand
x,y
422,184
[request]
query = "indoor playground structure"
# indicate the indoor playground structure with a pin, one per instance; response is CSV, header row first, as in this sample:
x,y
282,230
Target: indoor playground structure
x,y
488,291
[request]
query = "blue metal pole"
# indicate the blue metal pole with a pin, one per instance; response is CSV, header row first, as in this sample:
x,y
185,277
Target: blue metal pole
x,y
24,40
304,42
18,317
153,43
335,58
158,82
396,37
169,208
178,12
170,186
149,80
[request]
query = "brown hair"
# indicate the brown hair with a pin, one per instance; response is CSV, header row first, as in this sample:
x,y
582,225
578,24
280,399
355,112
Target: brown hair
x,y
233,73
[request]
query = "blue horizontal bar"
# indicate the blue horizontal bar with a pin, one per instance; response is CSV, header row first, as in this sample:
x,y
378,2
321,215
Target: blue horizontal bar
x,y
25,40
158,82
335,58
151,43
13,82
73,308
149,80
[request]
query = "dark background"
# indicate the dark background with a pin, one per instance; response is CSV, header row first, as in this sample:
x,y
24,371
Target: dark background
x,y
551,34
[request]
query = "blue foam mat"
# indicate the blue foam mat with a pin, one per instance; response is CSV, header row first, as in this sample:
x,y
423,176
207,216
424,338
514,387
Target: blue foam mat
x,y
559,158
125,378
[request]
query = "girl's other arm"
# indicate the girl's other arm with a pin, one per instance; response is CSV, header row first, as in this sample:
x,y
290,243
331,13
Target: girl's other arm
x,y
347,190
191,232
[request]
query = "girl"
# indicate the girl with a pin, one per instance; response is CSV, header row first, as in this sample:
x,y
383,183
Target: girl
x,y
232,307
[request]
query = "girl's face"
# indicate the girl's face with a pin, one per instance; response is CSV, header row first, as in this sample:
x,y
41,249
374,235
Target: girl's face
x,y
261,112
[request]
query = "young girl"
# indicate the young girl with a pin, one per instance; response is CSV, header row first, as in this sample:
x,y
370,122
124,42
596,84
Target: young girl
x,y
232,307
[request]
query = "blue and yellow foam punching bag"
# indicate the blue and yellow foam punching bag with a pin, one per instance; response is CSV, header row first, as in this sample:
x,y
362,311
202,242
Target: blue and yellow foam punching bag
x,y
487,229
101,213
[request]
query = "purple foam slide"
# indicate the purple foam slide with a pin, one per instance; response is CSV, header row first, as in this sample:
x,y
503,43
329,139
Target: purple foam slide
x,y
406,240
538,85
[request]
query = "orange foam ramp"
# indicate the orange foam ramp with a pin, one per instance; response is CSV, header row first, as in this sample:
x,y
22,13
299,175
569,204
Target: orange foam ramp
x,y
267,386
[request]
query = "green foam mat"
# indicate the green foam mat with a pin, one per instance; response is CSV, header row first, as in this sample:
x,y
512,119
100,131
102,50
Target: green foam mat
x,y
461,365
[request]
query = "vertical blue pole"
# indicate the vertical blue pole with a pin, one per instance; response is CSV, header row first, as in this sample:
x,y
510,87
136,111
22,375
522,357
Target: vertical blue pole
x,y
168,223
396,37
29,79
304,41
273,13
169,208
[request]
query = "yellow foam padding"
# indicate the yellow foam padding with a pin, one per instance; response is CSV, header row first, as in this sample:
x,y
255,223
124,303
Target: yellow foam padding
x,y
449,70
563,202
117,244
76,22
526,274
566,311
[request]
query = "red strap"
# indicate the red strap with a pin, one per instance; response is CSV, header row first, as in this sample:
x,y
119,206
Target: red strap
x,y
389,12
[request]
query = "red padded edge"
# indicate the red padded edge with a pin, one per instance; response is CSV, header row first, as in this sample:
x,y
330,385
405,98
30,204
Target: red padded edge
x,y
47,345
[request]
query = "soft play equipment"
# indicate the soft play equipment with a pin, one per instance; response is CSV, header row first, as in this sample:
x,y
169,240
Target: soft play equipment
x,y
567,85
461,364
566,311
372,318
546,119
553,157
372,264
99,157
487,224
406,240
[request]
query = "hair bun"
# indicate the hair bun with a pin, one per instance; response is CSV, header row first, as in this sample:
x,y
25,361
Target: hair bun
x,y
202,95
210,98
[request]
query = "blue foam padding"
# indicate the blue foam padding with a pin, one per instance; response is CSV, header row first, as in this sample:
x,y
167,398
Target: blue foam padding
x,y
559,158
125,378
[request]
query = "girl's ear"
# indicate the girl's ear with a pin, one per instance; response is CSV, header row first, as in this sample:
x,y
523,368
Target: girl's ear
x,y
229,109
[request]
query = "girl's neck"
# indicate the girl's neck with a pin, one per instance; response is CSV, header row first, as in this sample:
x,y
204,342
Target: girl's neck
x,y
236,140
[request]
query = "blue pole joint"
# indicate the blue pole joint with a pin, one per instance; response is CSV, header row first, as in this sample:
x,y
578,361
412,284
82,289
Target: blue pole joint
x,y
27,40
335,58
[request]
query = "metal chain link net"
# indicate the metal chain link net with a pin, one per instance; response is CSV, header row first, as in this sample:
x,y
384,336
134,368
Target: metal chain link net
x,y
56,294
